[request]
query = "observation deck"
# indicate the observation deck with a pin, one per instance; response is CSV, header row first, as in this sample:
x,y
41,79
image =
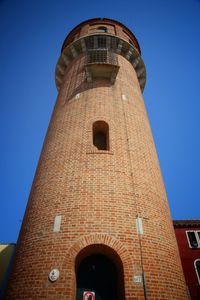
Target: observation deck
x,y
101,52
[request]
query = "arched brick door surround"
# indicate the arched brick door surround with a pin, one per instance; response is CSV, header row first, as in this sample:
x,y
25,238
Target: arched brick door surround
x,y
90,244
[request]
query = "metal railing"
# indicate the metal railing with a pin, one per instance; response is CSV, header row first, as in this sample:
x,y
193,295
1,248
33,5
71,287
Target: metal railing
x,y
101,42
101,56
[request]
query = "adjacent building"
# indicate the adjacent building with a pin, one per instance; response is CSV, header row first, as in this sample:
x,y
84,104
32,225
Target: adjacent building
x,y
188,238
6,257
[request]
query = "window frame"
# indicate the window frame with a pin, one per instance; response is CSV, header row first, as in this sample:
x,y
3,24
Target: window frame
x,y
195,266
102,29
197,236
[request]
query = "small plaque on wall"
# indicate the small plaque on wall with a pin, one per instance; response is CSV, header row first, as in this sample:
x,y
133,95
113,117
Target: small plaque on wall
x,y
53,275
137,279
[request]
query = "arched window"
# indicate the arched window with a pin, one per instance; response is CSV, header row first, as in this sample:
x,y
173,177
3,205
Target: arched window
x,y
101,135
102,29
197,268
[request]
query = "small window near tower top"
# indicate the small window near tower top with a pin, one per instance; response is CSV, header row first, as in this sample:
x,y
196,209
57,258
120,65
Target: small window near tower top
x,y
101,135
197,268
102,29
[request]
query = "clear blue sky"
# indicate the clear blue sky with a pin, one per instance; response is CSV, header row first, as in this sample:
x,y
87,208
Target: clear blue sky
x,y
32,32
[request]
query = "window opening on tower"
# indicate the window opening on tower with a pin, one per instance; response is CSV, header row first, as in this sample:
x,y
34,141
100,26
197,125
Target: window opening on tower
x,y
102,29
101,135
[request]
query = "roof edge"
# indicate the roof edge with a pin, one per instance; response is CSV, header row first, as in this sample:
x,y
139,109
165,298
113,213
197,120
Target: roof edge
x,y
103,19
186,223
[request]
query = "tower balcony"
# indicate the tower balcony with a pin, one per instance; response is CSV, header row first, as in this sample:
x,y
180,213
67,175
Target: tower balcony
x,y
101,58
101,63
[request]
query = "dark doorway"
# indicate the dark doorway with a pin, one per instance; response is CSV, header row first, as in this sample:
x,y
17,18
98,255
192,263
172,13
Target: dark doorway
x,y
97,273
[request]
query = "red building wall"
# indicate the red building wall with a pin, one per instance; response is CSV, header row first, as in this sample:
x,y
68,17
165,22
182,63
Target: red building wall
x,y
188,255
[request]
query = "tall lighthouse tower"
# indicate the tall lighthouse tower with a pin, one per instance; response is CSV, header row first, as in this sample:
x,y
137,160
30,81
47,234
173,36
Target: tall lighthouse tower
x,y
97,224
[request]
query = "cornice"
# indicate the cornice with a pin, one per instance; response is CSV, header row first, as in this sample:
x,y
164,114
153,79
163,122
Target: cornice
x,y
79,46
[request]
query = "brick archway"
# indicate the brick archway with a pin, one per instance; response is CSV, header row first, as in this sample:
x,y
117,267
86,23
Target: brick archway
x,y
94,243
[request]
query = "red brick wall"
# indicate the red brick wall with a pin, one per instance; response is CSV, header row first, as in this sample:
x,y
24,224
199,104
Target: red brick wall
x,y
98,194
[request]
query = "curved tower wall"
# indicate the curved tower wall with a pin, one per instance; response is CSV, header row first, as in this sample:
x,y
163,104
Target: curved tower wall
x,y
86,198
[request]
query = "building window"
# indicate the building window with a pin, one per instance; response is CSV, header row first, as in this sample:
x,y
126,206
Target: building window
x,y
197,268
102,29
193,239
101,135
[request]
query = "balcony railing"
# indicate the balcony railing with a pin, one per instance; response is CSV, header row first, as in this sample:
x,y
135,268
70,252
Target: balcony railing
x,y
101,63
101,56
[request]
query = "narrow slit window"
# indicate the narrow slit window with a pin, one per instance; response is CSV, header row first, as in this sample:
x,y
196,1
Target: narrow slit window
x,y
193,238
197,268
101,135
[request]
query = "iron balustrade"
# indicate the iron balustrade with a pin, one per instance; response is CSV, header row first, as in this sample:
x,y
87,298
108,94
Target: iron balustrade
x,y
101,56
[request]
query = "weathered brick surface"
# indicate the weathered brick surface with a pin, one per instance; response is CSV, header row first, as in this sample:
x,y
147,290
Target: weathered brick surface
x,y
99,194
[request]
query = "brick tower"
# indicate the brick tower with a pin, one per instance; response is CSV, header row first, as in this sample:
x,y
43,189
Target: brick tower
x,y
97,224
